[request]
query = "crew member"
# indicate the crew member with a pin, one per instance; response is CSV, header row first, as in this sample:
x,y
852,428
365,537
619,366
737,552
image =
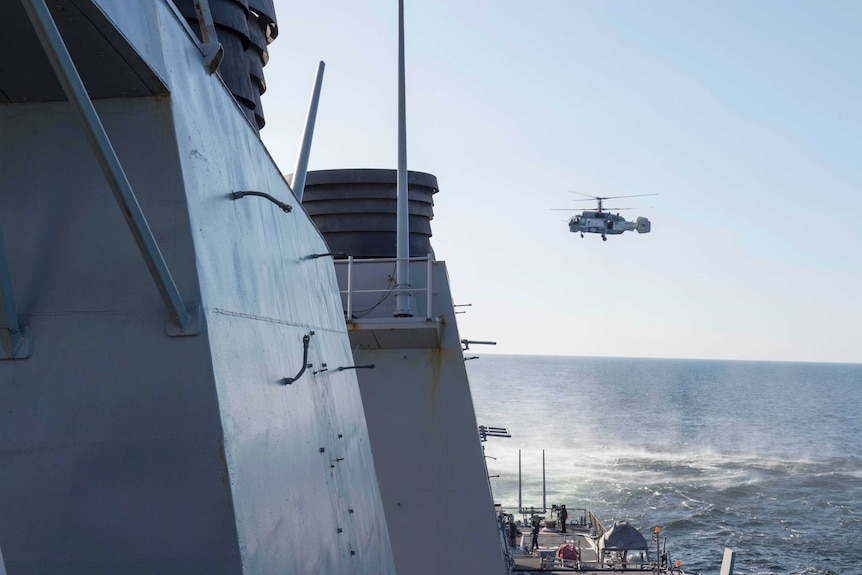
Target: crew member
x,y
564,516
535,533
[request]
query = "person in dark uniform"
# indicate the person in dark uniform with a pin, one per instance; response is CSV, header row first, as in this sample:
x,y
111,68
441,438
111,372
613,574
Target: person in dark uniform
x,y
564,516
535,533
513,531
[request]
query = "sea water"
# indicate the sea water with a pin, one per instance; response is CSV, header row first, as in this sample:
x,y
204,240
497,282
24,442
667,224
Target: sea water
x,y
762,457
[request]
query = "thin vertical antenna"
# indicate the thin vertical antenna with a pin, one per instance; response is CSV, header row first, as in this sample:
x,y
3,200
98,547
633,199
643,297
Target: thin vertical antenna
x,y
402,244
544,488
520,499
298,183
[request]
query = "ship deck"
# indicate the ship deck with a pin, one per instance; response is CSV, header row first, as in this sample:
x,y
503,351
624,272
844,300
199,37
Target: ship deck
x,y
545,558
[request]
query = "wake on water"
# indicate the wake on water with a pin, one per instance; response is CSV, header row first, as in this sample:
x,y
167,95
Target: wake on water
x,y
776,482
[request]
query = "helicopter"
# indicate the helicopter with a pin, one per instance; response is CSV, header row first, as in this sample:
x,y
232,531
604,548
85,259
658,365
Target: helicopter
x,y
599,221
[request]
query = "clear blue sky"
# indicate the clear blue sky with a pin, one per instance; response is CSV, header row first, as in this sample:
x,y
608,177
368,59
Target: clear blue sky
x,y
746,118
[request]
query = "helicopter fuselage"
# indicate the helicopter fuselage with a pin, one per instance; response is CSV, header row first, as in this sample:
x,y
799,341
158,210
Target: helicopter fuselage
x,y
606,223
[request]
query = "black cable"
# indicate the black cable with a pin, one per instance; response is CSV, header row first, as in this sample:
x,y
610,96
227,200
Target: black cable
x,y
280,204
362,313
305,339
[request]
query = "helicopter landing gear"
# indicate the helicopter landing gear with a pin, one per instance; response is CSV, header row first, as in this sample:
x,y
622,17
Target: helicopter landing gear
x,y
604,238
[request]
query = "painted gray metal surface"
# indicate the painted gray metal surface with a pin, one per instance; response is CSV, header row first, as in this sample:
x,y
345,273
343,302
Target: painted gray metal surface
x,y
54,46
123,450
417,399
425,441
14,342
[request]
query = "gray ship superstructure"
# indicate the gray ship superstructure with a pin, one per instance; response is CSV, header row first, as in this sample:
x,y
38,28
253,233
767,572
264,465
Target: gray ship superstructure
x,y
145,422
417,401
185,375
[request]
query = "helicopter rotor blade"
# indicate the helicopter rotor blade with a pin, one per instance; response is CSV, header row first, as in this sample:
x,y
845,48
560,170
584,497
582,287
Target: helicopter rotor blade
x,y
617,197
607,197
631,196
582,194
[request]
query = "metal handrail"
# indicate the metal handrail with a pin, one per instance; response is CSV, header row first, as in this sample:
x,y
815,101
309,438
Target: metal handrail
x,y
428,289
600,529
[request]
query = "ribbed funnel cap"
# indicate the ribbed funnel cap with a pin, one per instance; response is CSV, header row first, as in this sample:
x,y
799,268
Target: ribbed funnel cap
x,y
355,210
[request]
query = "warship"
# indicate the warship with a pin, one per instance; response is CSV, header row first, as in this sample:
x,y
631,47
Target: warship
x,y
186,375
207,366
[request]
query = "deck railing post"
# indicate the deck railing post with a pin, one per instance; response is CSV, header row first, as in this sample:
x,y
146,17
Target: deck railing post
x,y
428,286
349,288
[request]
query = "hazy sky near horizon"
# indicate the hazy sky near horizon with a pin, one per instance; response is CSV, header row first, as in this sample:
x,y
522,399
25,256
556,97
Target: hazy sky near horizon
x,y
746,118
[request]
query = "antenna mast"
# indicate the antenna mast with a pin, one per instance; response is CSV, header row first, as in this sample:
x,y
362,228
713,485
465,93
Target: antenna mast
x,y
544,486
520,498
402,246
299,173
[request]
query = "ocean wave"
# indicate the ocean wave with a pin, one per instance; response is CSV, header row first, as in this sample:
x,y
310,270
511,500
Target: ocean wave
x,y
732,459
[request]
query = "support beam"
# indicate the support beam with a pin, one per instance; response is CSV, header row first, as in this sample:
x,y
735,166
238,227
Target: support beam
x,y
212,50
43,24
299,173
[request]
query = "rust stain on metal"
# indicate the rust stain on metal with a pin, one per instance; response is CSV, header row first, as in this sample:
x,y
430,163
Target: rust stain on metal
x,y
434,372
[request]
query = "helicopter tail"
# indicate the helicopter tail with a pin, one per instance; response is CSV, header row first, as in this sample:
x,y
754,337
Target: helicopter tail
x,y
643,225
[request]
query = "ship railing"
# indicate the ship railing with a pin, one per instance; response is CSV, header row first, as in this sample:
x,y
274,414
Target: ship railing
x,y
579,516
503,530
422,286
551,562
594,521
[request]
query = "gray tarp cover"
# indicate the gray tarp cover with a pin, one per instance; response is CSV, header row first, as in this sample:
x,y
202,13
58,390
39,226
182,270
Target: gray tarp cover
x,y
622,537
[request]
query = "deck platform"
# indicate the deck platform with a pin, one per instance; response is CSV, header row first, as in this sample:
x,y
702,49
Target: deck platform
x,y
545,558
